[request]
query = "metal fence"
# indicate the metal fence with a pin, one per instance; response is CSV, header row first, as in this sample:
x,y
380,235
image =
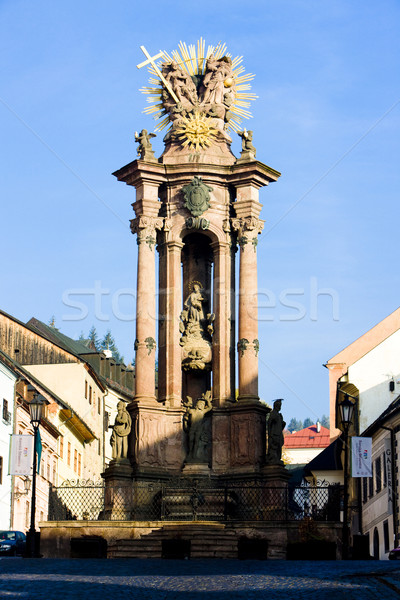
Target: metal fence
x,y
193,501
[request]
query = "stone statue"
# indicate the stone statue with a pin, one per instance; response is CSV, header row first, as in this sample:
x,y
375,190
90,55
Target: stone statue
x,y
145,150
248,150
196,329
195,425
276,425
121,429
181,83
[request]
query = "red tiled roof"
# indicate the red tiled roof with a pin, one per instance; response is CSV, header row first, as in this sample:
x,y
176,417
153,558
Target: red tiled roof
x,y
308,438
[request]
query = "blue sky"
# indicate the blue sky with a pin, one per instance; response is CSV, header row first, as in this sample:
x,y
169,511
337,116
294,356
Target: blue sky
x,y
327,117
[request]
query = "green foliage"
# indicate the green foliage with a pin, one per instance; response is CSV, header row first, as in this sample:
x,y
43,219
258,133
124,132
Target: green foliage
x,y
295,425
324,421
108,343
94,338
307,423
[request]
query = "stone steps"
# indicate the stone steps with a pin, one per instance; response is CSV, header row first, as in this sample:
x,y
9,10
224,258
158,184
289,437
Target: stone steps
x,y
204,543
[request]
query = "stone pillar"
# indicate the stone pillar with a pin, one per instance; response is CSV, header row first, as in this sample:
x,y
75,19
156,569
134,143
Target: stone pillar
x,y
222,305
145,344
248,345
170,352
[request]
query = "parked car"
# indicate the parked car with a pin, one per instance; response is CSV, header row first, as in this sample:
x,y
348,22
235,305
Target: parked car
x,y
12,543
394,554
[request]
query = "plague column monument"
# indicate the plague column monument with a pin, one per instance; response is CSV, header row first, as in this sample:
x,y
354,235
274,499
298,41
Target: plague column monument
x,y
197,206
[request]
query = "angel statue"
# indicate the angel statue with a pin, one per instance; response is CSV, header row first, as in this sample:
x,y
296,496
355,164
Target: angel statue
x,y
145,150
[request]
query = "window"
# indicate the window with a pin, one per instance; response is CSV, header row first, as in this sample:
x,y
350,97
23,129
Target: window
x,y
54,473
75,460
378,474
98,446
61,447
86,389
365,489
69,454
384,470
79,463
1,470
371,483
6,414
386,535
90,394
48,471
99,405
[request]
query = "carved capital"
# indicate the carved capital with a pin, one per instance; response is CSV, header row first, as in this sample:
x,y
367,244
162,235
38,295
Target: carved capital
x,y
248,229
242,346
145,228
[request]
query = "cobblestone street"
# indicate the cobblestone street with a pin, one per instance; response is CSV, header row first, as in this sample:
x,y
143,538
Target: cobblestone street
x,y
236,580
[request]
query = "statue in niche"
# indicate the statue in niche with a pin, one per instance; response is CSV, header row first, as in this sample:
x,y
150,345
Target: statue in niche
x,y
276,425
197,427
121,429
145,150
196,330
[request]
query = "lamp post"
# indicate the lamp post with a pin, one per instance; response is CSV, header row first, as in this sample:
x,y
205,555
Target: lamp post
x,y
35,409
346,408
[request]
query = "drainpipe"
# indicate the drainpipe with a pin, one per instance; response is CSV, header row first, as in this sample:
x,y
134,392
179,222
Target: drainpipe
x,y
394,486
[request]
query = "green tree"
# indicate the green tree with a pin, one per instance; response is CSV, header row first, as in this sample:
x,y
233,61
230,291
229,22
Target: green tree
x,y
324,421
295,425
307,423
94,338
108,343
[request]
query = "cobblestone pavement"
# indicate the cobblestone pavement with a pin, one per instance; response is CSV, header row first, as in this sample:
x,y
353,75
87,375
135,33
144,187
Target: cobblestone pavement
x,y
28,579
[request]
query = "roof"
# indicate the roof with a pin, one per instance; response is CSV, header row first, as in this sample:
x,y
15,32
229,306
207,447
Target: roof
x,y
390,411
368,341
66,410
329,459
309,437
55,336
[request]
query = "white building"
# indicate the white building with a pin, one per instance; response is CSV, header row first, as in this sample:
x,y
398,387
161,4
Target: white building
x,y
7,395
369,371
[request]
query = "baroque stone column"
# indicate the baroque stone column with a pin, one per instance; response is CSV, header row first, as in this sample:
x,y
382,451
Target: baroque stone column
x,y
248,346
170,306
145,344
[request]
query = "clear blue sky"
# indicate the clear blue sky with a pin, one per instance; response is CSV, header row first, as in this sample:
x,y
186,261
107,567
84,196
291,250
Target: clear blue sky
x,y
327,117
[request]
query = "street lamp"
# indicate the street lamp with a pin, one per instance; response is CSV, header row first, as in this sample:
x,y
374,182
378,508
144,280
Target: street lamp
x,y
346,408
35,410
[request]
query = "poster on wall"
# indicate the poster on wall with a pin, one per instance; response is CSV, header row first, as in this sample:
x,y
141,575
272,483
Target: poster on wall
x,y
21,455
361,453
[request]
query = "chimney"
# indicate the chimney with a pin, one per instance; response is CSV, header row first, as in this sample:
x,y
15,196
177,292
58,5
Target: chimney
x,y
318,427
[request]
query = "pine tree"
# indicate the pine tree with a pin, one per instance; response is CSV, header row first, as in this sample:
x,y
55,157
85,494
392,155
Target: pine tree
x,y
94,338
108,343
295,425
307,423
325,421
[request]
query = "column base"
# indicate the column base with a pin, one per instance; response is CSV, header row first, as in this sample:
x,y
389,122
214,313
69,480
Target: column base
x,y
201,469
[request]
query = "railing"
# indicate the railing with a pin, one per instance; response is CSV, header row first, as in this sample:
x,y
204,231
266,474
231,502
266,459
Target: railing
x,y
183,500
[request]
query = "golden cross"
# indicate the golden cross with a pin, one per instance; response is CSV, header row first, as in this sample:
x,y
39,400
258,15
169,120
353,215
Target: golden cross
x,y
150,60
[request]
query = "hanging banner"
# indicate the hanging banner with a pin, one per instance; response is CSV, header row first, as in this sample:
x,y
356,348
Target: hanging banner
x,y
361,454
388,468
21,454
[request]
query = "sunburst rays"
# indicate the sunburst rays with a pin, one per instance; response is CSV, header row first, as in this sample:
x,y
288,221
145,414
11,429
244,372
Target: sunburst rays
x,y
193,58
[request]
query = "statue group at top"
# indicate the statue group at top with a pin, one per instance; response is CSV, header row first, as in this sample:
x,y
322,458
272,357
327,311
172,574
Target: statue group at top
x,y
212,94
199,94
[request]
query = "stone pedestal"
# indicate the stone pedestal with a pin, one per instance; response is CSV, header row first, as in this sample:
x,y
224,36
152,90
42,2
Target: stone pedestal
x,y
118,489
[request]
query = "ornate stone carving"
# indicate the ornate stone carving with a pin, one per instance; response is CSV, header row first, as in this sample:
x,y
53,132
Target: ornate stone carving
x,y
150,344
197,196
256,346
276,425
136,344
242,346
197,427
121,429
248,229
145,228
197,223
145,150
196,329
248,150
